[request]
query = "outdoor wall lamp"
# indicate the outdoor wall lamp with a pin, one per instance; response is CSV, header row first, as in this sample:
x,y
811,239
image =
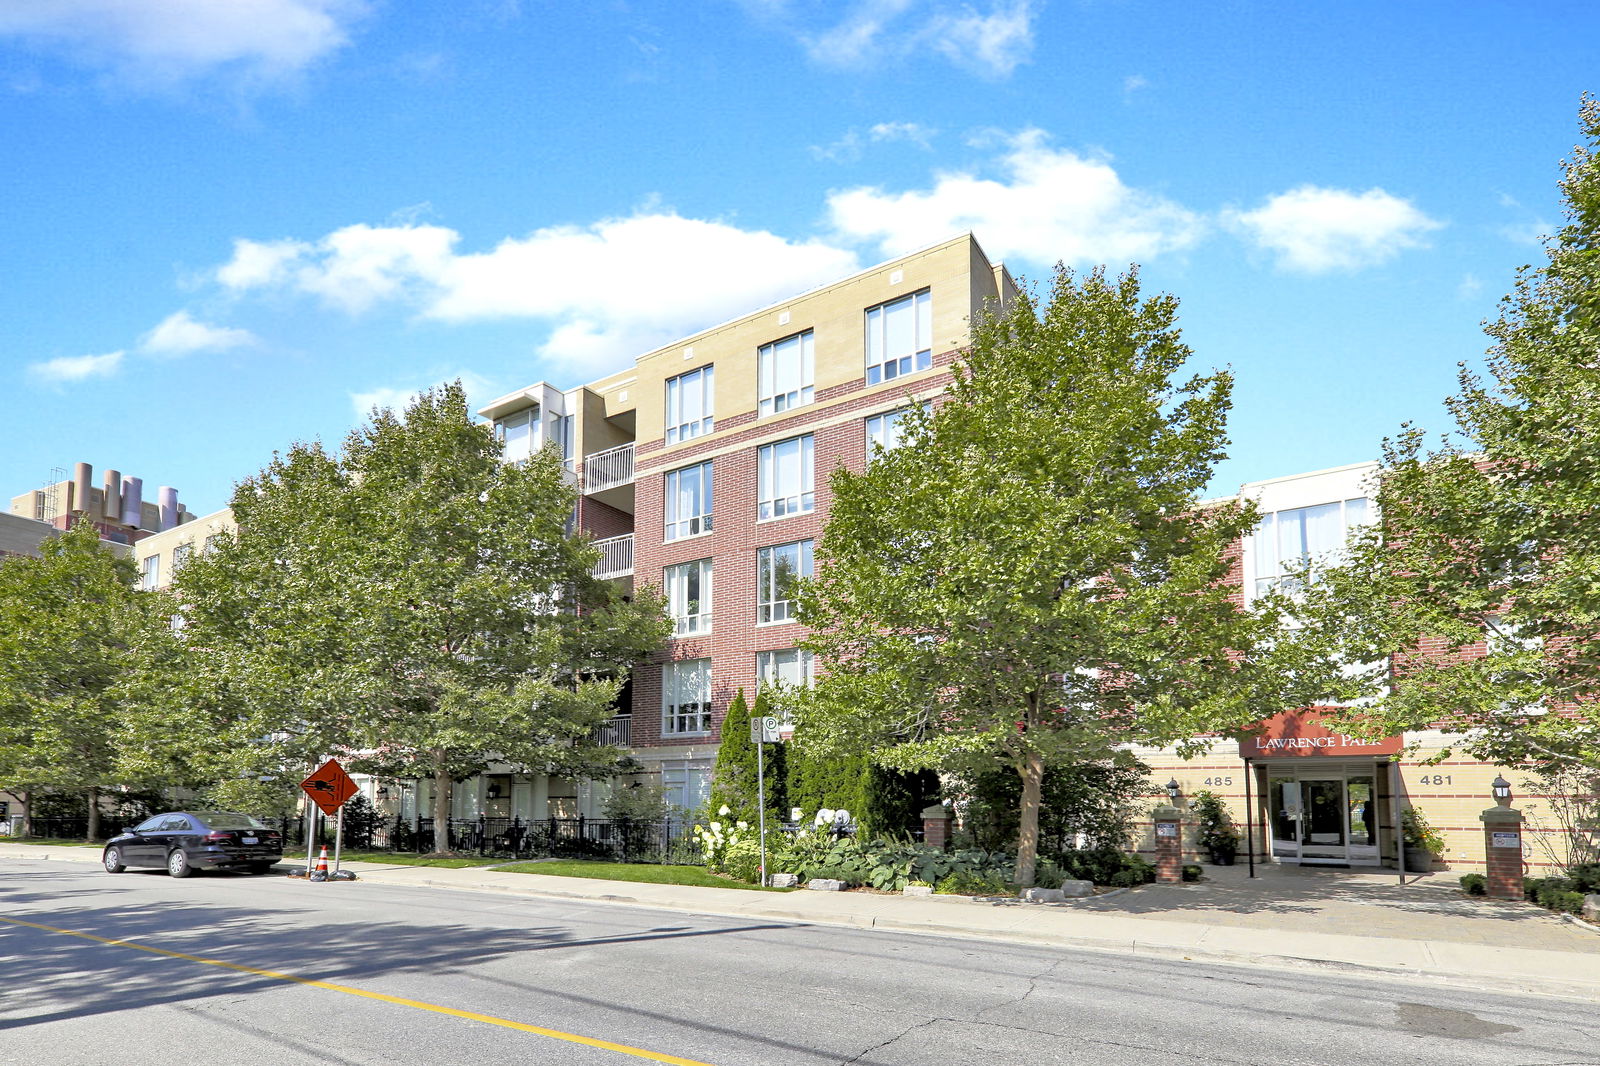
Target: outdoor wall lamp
x,y
1173,791
1502,791
494,792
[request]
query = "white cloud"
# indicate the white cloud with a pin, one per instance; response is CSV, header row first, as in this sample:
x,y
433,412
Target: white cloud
x,y
847,149
178,334
990,43
1132,84
1315,230
170,40
1050,204
608,291
258,263
399,397
70,368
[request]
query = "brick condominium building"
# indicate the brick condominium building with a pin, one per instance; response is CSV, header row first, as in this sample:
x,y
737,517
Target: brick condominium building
x,y
702,471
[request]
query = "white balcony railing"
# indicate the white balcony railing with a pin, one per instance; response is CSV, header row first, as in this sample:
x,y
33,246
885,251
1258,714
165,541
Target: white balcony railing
x,y
608,469
618,732
616,556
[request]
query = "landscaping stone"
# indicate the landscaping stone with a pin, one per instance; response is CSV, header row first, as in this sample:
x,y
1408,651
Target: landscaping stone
x,y
1077,889
825,884
1591,907
1043,895
785,880
917,890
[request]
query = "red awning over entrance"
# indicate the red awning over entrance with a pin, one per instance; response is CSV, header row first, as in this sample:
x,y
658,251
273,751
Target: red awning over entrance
x,y
1302,734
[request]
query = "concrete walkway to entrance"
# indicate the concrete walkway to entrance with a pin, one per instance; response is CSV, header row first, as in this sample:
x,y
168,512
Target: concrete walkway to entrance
x,y
1357,921
1364,902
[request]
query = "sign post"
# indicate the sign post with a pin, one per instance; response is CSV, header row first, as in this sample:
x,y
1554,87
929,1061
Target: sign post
x,y
329,787
763,731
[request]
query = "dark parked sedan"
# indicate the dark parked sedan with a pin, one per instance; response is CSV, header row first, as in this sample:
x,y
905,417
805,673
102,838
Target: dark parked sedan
x,y
187,841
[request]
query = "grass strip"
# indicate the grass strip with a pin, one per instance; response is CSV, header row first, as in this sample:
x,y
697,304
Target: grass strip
x,y
695,876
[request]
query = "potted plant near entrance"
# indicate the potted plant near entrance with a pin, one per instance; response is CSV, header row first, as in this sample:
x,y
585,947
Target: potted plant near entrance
x,y
1216,833
1424,843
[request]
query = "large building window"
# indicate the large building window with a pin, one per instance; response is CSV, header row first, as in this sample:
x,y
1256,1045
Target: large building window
x,y
150,572
785,478
885,431
515,434
689,409
899,337
688,501
180,556
1287,540
689,597
686,697
790,668
778,568
785,374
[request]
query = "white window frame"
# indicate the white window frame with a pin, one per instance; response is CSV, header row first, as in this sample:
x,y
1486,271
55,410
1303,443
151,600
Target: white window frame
x,y
181,554
690,408
526,424
891,355
690,617
1354,512
786,374
679,526
769,609
150,573
770,663
686,698
796,456
883,429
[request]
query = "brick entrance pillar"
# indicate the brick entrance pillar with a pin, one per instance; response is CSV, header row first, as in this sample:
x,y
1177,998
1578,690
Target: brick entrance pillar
x,y
1502,840
936,822
1169,844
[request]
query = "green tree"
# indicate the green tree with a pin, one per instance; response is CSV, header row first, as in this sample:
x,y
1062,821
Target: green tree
x,y
734,779
892,801
818,776
415,604
1490,538
1030,579
70,623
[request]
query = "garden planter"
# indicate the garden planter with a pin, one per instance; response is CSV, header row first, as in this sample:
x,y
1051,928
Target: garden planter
x,y
1223,858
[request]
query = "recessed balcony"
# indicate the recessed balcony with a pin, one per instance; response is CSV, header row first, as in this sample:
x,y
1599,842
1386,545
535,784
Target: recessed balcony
x,y
616,557
609,469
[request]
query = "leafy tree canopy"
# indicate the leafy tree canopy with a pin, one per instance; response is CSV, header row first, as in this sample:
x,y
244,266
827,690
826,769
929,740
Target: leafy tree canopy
x,y
1491,538
414,603
1030,578
71,625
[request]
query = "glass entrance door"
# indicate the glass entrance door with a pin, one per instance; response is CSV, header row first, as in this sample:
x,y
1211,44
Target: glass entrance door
x,y
1323,823
1323,814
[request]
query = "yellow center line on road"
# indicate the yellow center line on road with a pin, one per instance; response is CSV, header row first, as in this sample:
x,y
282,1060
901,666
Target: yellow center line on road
x,y
416,1004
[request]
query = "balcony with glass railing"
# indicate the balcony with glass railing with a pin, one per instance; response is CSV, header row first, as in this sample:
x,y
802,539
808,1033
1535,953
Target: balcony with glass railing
x,y
616,557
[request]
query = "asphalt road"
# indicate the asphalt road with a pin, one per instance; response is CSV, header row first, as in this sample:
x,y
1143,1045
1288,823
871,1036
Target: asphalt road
x,y
284,972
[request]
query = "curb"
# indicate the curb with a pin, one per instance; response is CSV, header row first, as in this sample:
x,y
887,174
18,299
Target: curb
x,y
1585,992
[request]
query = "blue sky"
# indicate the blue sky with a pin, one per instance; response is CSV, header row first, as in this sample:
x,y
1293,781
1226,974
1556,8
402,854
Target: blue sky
x,y
231,226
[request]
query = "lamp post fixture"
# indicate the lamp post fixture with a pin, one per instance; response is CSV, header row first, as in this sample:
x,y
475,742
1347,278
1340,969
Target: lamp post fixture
x,y
1173,791
1501,788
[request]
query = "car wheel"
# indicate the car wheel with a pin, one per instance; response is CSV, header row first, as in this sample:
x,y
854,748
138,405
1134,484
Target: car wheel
x,y
262,867
112,861
178,863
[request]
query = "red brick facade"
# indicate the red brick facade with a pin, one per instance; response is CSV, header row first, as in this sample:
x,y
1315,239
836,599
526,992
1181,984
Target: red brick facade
x,y
736,638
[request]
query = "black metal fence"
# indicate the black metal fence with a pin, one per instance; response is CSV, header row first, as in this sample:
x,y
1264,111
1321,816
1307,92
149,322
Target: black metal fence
x,y
622,840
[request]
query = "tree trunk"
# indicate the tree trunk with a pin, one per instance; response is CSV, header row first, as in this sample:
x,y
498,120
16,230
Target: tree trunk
x,y
441,805
91,831
27,812
1031,770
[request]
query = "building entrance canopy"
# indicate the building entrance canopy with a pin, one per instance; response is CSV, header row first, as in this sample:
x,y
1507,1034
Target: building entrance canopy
x,y
1303,734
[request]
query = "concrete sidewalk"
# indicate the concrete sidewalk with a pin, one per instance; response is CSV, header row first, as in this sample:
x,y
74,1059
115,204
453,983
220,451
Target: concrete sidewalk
x,y
1289,918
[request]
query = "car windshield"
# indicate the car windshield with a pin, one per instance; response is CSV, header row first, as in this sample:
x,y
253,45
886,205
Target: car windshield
x,y
226,820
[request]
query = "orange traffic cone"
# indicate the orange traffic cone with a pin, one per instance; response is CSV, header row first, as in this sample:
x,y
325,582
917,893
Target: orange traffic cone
x,y
321,872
